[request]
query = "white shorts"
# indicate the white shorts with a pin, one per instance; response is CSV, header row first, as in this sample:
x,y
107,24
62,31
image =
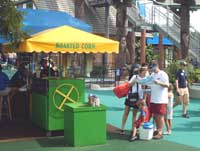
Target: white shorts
x,y
169,115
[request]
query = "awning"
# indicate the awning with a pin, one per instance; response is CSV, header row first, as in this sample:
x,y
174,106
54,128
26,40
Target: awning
x,y
155,41
36,20
68,39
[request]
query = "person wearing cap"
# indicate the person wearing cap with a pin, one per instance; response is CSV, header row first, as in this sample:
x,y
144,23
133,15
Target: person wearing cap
x,y
159,98
159,82
182,88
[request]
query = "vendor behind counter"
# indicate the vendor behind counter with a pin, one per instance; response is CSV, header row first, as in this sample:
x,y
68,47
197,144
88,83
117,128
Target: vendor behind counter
x,y
48,69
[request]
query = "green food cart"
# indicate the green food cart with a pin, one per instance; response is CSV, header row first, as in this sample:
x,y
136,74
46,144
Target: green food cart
x,y
84,124
48,98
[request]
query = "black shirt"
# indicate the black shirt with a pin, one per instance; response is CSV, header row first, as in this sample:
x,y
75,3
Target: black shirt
x,y
181,76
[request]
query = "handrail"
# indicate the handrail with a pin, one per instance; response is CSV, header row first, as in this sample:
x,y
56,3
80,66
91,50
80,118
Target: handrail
x,y
169,23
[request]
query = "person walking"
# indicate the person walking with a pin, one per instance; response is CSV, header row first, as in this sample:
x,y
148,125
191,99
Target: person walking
x,y
182,89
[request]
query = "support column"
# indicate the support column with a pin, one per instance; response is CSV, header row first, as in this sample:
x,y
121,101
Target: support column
x,y
107,32
185,26
130,39
143,46
179,54
161,51
80,13
121,25
79,9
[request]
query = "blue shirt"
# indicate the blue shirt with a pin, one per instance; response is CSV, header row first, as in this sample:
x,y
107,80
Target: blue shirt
x,y
4,80
118,72
181,76
142,113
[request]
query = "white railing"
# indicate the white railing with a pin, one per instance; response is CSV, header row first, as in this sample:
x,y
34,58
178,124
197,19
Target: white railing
x,y
169,23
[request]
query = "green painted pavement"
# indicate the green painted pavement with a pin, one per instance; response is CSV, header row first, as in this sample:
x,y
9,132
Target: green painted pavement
x,y
184,131
185,135
114,143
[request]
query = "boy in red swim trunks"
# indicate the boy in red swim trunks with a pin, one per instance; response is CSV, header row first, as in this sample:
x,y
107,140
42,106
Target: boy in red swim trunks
x,y
144,117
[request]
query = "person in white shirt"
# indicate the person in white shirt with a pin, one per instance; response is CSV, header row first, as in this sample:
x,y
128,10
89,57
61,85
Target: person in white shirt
x,y
159,82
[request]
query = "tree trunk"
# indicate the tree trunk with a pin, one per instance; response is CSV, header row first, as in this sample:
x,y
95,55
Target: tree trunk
x,y
185,24
130,39
121,24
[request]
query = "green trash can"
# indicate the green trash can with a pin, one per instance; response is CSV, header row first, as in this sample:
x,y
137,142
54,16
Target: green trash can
x,y
84,124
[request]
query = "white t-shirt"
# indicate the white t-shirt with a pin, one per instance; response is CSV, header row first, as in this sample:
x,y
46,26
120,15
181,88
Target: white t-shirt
x,y
136,87
159,94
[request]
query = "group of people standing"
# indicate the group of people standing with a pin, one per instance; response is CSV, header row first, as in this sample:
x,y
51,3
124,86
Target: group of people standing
x,y
152,95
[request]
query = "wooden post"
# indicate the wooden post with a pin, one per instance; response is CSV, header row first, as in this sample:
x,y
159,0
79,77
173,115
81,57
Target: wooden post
x,y
179,54
143,46
121,24
185,31
130,39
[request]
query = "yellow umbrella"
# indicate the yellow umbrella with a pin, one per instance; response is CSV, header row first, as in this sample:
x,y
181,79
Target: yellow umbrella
x,y
68,39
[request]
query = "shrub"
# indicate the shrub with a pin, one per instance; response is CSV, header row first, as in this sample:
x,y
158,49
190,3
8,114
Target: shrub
x,y
193,74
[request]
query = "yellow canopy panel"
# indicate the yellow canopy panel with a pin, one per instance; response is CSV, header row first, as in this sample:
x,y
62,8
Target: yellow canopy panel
x,y
68,39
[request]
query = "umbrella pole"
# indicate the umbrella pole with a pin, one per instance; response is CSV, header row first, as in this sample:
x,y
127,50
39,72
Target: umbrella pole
x,y
37,66
60,65
84,65
65,64
49,71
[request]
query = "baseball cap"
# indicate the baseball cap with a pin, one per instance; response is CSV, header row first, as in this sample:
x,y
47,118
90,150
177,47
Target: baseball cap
x,y
153,66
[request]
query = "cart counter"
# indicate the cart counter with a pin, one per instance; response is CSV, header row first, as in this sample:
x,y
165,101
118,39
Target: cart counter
x,y
49,97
